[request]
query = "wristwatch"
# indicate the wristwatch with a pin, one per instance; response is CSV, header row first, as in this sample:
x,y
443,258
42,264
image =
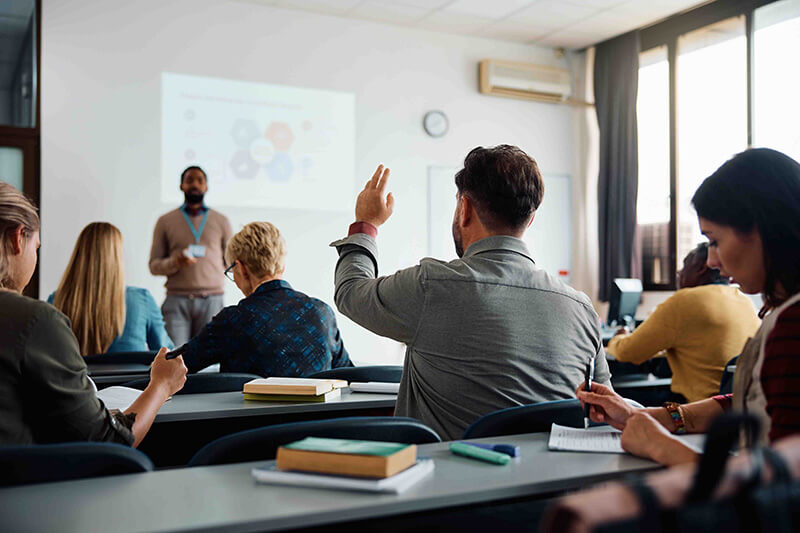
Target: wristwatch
x,y
674,410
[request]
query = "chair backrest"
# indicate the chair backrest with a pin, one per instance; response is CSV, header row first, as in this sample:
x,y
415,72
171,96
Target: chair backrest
x,y
726,382
262,443
43,463
121,358
533,418
199,383
385,373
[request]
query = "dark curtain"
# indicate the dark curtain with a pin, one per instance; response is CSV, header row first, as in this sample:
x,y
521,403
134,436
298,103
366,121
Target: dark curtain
x,y
616,79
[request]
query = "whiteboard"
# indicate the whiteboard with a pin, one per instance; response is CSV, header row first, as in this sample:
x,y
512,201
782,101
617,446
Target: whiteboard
x,y
549,238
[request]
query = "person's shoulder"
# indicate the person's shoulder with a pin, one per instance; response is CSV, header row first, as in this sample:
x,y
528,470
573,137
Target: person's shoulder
x,y
217,214
138,293
790,314
169,215
22,309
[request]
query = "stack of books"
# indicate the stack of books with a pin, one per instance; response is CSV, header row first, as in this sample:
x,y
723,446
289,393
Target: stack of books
x,y
349,464
293,389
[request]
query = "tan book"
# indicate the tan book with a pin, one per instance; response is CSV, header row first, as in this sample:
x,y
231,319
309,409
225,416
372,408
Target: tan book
x,y
347,457
335,394
298,386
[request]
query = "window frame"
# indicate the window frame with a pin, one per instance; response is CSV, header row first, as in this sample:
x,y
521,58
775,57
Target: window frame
x,y
29,140
666,33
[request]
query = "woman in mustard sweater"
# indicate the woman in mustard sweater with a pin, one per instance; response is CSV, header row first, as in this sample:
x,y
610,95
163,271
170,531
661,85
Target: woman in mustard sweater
x,y
701,327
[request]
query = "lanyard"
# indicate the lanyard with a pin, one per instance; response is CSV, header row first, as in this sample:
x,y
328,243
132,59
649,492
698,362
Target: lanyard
x,y
196,232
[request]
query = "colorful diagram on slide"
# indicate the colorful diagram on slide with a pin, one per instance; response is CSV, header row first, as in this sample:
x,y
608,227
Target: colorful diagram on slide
x,y
260,144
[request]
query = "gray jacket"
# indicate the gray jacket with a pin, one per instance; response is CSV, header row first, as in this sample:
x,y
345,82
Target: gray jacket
x,y
488,331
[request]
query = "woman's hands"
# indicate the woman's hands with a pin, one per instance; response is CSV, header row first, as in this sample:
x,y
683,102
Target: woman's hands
x,y
606,406
642,434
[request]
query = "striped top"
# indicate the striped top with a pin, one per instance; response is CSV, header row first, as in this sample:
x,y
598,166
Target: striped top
x,y
780,375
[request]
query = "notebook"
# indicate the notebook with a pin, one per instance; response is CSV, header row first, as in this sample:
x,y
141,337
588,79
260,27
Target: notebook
x,y
585,440
395,484
118,397
379,387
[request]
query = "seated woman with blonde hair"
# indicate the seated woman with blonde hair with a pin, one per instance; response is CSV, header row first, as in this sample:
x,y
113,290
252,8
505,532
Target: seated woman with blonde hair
x,y
275,330
45,390
106,315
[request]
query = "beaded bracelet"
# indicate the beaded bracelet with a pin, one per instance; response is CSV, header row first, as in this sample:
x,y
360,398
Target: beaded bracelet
x,y
677,417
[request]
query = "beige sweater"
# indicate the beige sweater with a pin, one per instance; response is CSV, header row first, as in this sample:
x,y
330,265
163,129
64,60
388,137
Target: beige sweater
x,y
172,235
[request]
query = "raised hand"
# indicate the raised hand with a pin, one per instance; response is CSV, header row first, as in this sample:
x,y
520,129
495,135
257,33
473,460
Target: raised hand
x,y
371,205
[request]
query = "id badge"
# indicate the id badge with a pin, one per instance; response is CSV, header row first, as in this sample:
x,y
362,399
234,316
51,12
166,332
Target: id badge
x,y
197,250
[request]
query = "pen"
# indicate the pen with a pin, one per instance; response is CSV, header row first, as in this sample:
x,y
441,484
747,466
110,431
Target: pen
x,y
589,378
176,352
508,449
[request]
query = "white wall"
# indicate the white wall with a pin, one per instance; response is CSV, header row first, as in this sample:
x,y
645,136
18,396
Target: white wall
x,y
101,65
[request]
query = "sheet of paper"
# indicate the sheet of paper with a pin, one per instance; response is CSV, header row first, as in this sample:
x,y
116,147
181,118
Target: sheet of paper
x,y
584,440
118,397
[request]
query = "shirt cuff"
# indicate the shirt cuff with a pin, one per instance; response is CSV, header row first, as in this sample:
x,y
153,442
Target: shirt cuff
x,y
363,227
725,401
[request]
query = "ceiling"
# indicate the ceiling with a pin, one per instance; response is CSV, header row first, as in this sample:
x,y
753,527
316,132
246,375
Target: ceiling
x,y
552,23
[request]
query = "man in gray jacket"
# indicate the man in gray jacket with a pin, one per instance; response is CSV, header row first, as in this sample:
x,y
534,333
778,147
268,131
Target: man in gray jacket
x,y
487,331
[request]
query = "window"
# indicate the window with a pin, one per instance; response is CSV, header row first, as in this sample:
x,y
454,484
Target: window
x,y
712,82
653,211
711,114
776,108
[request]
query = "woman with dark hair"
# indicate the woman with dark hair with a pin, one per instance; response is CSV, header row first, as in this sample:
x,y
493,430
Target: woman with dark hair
x,y
750,211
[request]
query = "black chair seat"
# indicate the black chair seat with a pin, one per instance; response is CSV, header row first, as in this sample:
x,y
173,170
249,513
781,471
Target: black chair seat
x,y
200,383
43,463
535,418
262,443
384,373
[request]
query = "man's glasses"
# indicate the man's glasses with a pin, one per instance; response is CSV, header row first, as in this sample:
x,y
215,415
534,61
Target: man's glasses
x,y
229,271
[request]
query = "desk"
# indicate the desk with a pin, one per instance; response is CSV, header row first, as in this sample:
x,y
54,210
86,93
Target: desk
x,y
225,498
188,422
105,375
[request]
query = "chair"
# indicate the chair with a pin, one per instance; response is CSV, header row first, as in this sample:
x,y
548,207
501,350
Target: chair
x,y
121,358
199,383
533,418
726,383
385,373
262,443
43,463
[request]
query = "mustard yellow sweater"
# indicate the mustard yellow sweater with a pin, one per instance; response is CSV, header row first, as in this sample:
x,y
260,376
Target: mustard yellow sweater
x,y
701,329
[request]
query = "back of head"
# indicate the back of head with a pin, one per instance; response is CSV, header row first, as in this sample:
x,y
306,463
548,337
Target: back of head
x,y
92,290
505,185
15,211
759,189
695,271
260,246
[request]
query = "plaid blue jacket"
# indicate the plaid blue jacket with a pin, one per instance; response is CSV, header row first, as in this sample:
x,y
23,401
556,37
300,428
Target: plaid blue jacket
x,y
276,331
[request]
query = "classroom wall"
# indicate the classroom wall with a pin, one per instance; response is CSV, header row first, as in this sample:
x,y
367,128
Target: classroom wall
x,y
101,66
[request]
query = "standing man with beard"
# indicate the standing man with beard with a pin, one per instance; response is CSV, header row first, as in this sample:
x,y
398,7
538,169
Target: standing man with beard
x,y
188,247
487,331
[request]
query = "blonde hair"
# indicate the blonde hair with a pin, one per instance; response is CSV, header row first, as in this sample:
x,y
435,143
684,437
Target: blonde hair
x,y
92,291
260,247
15,211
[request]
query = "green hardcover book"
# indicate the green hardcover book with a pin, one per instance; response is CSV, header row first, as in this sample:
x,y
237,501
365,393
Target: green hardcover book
x,y
359,458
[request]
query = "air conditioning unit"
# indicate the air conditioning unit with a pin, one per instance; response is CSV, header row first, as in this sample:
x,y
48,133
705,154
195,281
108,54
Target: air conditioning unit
x,y
525,80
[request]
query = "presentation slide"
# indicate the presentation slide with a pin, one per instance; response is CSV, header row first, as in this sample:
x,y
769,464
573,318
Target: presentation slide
x,y
261,145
